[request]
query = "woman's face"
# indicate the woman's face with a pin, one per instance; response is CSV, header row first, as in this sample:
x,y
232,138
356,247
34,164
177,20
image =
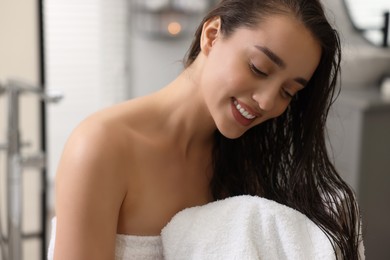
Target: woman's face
x,y
252,75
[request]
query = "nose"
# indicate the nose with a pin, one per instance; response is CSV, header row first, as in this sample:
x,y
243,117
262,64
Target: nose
x,y
266,97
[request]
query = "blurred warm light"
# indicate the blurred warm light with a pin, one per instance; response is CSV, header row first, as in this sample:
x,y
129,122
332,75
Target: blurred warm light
x,y
168,18
174,28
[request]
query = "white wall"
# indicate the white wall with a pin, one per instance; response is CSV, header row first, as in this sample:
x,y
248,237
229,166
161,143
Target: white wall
x,y
155,62
86,60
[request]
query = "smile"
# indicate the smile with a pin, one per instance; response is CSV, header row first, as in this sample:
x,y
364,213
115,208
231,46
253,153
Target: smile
x,y
243,112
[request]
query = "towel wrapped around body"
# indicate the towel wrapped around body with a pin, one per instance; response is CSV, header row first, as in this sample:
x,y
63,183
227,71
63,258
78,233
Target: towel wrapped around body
x,y
244,227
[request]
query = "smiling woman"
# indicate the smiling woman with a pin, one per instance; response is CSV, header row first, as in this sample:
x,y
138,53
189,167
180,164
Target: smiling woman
x,y
245,117
261,74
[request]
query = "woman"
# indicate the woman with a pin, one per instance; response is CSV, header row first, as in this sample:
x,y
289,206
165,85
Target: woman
x,y
246,116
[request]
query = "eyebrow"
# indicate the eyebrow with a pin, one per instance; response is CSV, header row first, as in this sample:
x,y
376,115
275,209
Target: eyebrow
x,y
272,56
279,62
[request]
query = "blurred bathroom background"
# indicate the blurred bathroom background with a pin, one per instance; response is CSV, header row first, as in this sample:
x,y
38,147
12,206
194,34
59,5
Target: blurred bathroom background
x,y
94,53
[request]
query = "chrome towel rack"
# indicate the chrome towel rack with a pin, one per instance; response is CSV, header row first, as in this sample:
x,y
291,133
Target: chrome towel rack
x,y
16,162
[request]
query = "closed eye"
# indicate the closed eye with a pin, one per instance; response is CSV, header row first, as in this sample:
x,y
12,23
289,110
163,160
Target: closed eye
x,y
287,94
257,71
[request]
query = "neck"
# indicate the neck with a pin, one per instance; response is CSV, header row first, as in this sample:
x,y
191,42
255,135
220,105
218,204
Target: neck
x,y
184,118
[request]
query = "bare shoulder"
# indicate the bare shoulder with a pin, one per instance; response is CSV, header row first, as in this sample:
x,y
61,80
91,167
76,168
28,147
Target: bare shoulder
x,y
90,188
95,147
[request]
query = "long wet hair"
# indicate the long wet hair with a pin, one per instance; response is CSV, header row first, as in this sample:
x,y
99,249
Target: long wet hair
x,y
285,159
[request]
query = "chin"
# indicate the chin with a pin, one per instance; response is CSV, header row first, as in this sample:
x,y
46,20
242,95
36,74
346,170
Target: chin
x,y
231,134
230,129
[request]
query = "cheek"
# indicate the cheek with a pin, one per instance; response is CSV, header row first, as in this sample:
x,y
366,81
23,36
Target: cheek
x,y
227,69
281,108
236,82
225,80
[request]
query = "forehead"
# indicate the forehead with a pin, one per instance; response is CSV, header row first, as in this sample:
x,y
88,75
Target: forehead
x,y
284,35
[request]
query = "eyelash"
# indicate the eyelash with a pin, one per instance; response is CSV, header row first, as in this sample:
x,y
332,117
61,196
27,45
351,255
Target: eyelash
x,y
257,71
288,95
260,73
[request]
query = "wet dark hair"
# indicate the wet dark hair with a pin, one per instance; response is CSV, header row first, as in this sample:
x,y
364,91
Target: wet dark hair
x,y
285,159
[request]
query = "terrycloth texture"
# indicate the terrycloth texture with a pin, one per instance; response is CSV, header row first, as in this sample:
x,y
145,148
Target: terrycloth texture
x,y
138,247
244,227
127,247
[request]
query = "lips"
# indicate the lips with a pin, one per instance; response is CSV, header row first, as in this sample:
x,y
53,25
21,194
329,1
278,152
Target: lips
x,y
242,113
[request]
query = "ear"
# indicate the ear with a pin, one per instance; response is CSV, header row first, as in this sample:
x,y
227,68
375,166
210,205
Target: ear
x,y
210,33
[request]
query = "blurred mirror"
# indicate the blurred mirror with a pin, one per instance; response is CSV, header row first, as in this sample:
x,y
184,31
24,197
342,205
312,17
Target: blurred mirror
x,y
371,18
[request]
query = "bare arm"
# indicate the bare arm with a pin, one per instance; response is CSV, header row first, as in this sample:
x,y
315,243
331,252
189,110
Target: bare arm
x,y
89,193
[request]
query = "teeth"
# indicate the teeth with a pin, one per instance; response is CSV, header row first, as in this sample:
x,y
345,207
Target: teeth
x,y
243,112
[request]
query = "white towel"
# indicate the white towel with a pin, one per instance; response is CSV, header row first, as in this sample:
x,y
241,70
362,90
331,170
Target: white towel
x,y
244,227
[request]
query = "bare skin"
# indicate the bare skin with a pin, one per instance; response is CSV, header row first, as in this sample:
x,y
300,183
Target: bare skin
x,y
130,168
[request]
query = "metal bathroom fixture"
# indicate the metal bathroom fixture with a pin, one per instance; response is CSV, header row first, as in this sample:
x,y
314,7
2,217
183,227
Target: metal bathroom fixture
x,y
167,18
16,162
